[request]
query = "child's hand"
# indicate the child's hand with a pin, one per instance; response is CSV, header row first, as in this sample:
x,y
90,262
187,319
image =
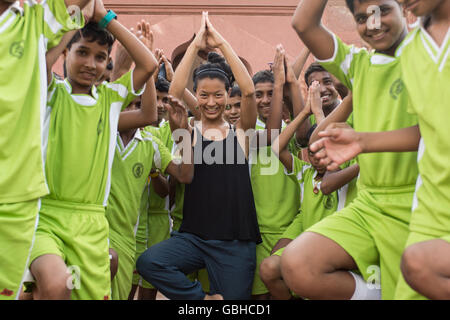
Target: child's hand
x,y
278,66
290,74
145,34
307,108
88,11
339,143
314,95
99,11
168,67
178,117
214,39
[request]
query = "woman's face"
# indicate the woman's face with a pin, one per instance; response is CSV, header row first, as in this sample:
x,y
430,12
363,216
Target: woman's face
x,y
212,97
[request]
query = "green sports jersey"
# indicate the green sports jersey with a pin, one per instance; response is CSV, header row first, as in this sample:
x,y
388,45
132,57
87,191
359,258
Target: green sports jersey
x,y
426,73
314,204
348,192
379,104
25,35
130,170
156,203
276,196
165,133
82,138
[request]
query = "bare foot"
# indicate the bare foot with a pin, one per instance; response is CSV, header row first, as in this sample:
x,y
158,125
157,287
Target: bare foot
x,y
213,297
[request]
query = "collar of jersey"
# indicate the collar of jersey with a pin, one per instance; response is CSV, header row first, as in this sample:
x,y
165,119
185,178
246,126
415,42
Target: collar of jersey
x,y
83,99
430,44
130,146
260,123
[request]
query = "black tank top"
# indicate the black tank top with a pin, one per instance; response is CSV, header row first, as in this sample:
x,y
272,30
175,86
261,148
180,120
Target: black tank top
x,y
219,204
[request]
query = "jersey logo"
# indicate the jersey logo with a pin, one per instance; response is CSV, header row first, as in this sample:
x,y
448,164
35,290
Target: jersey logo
x,y
6,292
396,88
17,48
138,170
329,202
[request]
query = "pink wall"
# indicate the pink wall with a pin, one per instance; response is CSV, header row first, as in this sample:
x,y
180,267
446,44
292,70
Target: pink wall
x,y
253,27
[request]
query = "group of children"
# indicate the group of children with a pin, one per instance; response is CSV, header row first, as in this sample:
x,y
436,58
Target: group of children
x,y
267,195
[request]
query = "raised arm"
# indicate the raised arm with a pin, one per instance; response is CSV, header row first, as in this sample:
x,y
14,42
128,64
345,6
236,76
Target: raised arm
x,y
147,114
184,69
144,60
54,53
341,143
189,99
243,79
184,172
333,180
274,120
339,114
307,23
279,146
300,62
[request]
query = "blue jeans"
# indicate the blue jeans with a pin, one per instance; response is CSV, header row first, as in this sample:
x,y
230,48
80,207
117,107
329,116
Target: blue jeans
x,y
230,265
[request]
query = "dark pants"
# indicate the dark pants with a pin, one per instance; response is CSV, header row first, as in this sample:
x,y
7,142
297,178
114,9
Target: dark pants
x,y
230,265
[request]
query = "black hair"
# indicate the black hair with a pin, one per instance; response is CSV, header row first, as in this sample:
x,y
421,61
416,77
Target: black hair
x,y
235,91
110,66
313,67
93,33
162,85
263,76
216,67
351,4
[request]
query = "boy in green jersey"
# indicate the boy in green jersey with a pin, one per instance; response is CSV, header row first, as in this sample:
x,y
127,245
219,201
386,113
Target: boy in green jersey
x,y
137,152
322,193
425,67
26,33
70,255
276,196
358,237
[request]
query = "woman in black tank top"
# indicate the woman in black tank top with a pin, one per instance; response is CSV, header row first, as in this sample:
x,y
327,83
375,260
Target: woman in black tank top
x,y
219,229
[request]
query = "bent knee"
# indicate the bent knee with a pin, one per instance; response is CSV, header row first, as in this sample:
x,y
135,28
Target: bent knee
x,y
270,268
413,264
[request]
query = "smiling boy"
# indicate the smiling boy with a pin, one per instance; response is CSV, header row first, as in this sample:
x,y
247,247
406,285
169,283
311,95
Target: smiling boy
x,y
26,33
372,230
70,256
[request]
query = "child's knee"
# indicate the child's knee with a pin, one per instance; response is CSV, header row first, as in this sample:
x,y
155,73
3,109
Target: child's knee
x,y
270,268
412,265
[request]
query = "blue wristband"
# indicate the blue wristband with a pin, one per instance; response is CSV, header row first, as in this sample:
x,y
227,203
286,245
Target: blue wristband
x,y
107,19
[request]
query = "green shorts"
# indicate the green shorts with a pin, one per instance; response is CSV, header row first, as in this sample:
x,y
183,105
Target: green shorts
x,y
18,223
293,231
373,230
78,233
404,291
263,251
121,284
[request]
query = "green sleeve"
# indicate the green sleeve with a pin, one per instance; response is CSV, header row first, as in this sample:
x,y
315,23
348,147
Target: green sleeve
x,y
298,166
342,64
162,156
53,19
295,228
124,88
